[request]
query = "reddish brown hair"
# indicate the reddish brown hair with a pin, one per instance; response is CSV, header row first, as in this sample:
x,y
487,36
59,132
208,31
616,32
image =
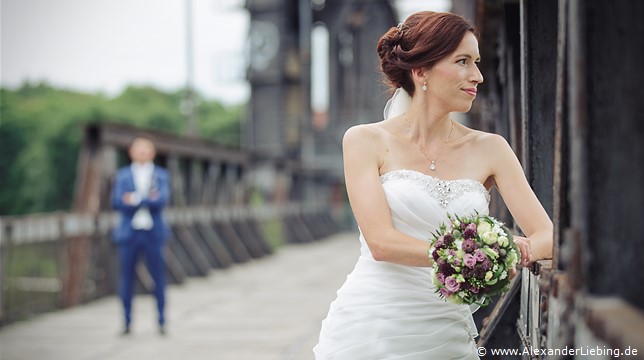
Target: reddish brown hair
x,y
424,39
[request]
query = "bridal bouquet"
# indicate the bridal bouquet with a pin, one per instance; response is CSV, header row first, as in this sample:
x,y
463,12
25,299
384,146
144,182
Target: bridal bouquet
x,y
472,259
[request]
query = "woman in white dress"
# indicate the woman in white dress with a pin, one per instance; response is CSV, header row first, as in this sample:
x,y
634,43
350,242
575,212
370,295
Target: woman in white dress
x,y
403,176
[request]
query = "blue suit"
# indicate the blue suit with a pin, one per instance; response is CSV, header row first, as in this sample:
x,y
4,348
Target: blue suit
x,y
132,243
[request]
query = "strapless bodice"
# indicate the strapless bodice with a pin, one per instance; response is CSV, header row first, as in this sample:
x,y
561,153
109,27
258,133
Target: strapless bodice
x,y
420,203
445,192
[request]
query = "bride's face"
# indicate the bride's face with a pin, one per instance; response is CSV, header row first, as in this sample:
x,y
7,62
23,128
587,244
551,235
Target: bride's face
x,y
452,81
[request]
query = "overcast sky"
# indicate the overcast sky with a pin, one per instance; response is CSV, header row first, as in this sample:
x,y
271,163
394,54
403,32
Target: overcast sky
x,y
105,45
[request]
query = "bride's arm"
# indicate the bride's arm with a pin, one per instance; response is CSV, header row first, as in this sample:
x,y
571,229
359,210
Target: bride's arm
x,y
523,204
360,148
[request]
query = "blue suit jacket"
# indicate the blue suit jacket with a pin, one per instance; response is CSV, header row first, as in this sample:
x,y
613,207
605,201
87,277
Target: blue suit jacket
x,y
123,183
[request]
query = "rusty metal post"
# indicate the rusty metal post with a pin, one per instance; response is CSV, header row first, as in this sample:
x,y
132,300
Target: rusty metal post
x,y
196,175
538,75
211,181
611,97
5,248
178,197
86,201
578,134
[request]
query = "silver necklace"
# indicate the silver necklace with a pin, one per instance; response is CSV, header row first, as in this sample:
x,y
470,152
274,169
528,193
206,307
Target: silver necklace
x,y
432,165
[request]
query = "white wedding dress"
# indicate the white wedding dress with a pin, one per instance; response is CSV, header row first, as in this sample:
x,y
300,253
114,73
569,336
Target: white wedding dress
x,y
390,311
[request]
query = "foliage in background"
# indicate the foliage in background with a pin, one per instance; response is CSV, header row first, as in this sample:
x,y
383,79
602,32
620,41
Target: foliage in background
x,y
41,133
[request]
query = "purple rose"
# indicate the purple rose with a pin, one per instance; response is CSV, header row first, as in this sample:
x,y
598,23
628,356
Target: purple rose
x,y
439,243
441,278
469,260
480,255
451,284
457,261
445,292
469,246
448,238
486,264
479,273
470,231
445,268
474,289
435,255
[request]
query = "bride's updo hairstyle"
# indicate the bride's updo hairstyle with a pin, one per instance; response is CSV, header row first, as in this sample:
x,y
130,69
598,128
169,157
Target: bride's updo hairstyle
x,y
424,39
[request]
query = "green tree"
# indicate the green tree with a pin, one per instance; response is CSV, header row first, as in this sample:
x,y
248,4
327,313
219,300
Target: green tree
x,y
41,134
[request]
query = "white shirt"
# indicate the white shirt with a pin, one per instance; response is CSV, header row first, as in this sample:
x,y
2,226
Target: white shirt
x,y
143,174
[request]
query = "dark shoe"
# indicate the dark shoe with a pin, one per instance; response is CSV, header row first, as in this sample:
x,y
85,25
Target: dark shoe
x,y
162,330
126,331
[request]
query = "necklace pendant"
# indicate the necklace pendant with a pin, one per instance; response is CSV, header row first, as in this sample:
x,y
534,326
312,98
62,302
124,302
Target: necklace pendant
x,y
432,166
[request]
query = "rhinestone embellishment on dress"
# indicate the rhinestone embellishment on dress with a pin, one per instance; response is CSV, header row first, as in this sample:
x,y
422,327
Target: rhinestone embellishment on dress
x,y
444,191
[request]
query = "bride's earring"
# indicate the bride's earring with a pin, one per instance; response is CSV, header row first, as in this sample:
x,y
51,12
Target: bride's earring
x,y
424,85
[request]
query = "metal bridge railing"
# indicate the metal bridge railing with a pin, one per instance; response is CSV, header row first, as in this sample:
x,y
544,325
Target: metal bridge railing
x,y
35,250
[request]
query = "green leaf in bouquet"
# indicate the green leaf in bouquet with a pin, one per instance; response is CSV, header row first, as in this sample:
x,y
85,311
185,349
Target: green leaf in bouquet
x,y
482,300
498,287
489,252
499,270
510,258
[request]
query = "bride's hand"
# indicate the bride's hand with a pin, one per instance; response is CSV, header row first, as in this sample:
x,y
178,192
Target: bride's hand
x,y
513,272
524,247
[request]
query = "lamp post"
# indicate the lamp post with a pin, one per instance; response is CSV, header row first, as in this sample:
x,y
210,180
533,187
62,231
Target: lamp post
x,y
189,103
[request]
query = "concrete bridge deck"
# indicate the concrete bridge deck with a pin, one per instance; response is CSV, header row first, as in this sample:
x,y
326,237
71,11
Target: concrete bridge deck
x,y
266,309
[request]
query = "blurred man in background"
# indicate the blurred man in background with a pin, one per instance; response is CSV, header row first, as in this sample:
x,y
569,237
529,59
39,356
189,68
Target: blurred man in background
x,y
141,191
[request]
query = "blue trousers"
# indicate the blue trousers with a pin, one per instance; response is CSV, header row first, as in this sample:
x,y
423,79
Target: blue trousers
x,y
142,243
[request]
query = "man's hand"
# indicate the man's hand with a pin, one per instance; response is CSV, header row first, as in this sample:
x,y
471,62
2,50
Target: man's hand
x,y
131,198
154,194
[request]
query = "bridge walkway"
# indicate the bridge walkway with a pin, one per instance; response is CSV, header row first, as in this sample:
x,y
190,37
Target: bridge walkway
x,y
265,309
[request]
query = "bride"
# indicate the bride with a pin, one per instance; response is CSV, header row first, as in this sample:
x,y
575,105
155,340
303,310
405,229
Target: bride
x,y
404,175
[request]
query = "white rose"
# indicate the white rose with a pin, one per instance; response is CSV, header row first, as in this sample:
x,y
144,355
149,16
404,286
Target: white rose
x,y
489,237
503,241
483,227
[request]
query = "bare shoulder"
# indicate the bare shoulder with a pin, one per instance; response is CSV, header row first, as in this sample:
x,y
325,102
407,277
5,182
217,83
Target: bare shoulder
x,y
494,143
363,134
484,153
490,144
